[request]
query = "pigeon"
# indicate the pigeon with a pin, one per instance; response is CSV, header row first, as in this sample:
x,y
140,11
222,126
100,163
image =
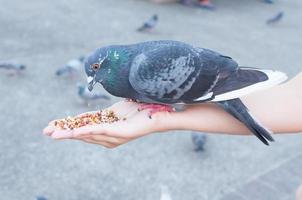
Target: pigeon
x,y
150,24
269,1
71,68
41,198
187,2
206,4
275,18
200,4
160,74
199,140
87,96
14,67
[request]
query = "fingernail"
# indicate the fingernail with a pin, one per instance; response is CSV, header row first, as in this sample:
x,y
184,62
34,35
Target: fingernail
x,y
47,131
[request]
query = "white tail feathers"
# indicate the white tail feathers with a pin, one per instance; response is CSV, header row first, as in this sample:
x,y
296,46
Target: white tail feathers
x,y
274,78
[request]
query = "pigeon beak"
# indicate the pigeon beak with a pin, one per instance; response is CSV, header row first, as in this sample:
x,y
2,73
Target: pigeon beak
x,y
91,82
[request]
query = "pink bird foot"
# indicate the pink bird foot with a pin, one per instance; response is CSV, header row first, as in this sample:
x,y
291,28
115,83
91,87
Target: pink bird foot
x,y
155,108
206,4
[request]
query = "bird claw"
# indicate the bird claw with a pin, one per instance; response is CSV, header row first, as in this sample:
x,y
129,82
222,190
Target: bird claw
x,y
155,108
206,4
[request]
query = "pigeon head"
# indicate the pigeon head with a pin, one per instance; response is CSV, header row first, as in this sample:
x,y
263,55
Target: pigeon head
x,y
22,67
96,67
104,64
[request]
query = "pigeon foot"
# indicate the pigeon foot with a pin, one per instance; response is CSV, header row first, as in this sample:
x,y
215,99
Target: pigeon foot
x,y
155,108
206,4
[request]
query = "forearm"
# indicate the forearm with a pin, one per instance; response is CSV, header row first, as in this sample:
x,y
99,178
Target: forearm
x,y
278,109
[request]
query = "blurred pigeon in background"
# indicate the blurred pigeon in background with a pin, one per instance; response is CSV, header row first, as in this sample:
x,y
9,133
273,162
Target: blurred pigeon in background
x,y
200,4
276,18
187,2
88,96
41,198
269,1
199,140
71,68
206,4
163,73
12,67
150,24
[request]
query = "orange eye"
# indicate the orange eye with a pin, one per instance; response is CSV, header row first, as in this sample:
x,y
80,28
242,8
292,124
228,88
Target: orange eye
x,y
96,66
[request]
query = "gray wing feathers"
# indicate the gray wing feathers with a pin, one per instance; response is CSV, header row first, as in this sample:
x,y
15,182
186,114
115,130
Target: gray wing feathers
x,y
156,77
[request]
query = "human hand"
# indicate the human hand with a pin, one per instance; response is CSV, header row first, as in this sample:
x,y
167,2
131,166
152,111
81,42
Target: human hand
x,y
133,124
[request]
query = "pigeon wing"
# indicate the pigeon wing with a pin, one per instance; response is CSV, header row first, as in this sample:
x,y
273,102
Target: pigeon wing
x,y
164,74
181,74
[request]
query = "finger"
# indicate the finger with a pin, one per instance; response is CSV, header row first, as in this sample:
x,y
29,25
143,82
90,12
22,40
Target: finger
x,y
105,144
48,130
104,138
89,130
62,134
111,130
85,130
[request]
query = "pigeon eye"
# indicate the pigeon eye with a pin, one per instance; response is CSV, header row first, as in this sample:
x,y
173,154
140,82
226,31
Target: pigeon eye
x,y
95,66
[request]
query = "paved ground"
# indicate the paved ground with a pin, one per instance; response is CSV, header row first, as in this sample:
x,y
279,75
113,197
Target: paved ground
x,y
279,183
45,34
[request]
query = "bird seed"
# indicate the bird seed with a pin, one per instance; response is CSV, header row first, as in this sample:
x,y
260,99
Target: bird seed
x,y
70,123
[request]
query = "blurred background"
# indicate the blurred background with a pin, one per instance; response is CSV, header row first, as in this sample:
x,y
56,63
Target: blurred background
x,y
41,77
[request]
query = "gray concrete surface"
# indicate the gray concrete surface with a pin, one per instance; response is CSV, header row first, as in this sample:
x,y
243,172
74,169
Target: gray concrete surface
x,y
279,183
45,34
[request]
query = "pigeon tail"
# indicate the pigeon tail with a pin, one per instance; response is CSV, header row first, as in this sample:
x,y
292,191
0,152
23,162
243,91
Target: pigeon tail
x,y
237,109
245,81
143,28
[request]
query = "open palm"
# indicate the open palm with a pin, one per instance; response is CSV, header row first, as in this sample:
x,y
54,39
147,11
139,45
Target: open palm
x,y
133,124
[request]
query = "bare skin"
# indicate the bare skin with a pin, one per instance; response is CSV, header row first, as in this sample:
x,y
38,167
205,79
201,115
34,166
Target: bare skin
x,y
277,108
